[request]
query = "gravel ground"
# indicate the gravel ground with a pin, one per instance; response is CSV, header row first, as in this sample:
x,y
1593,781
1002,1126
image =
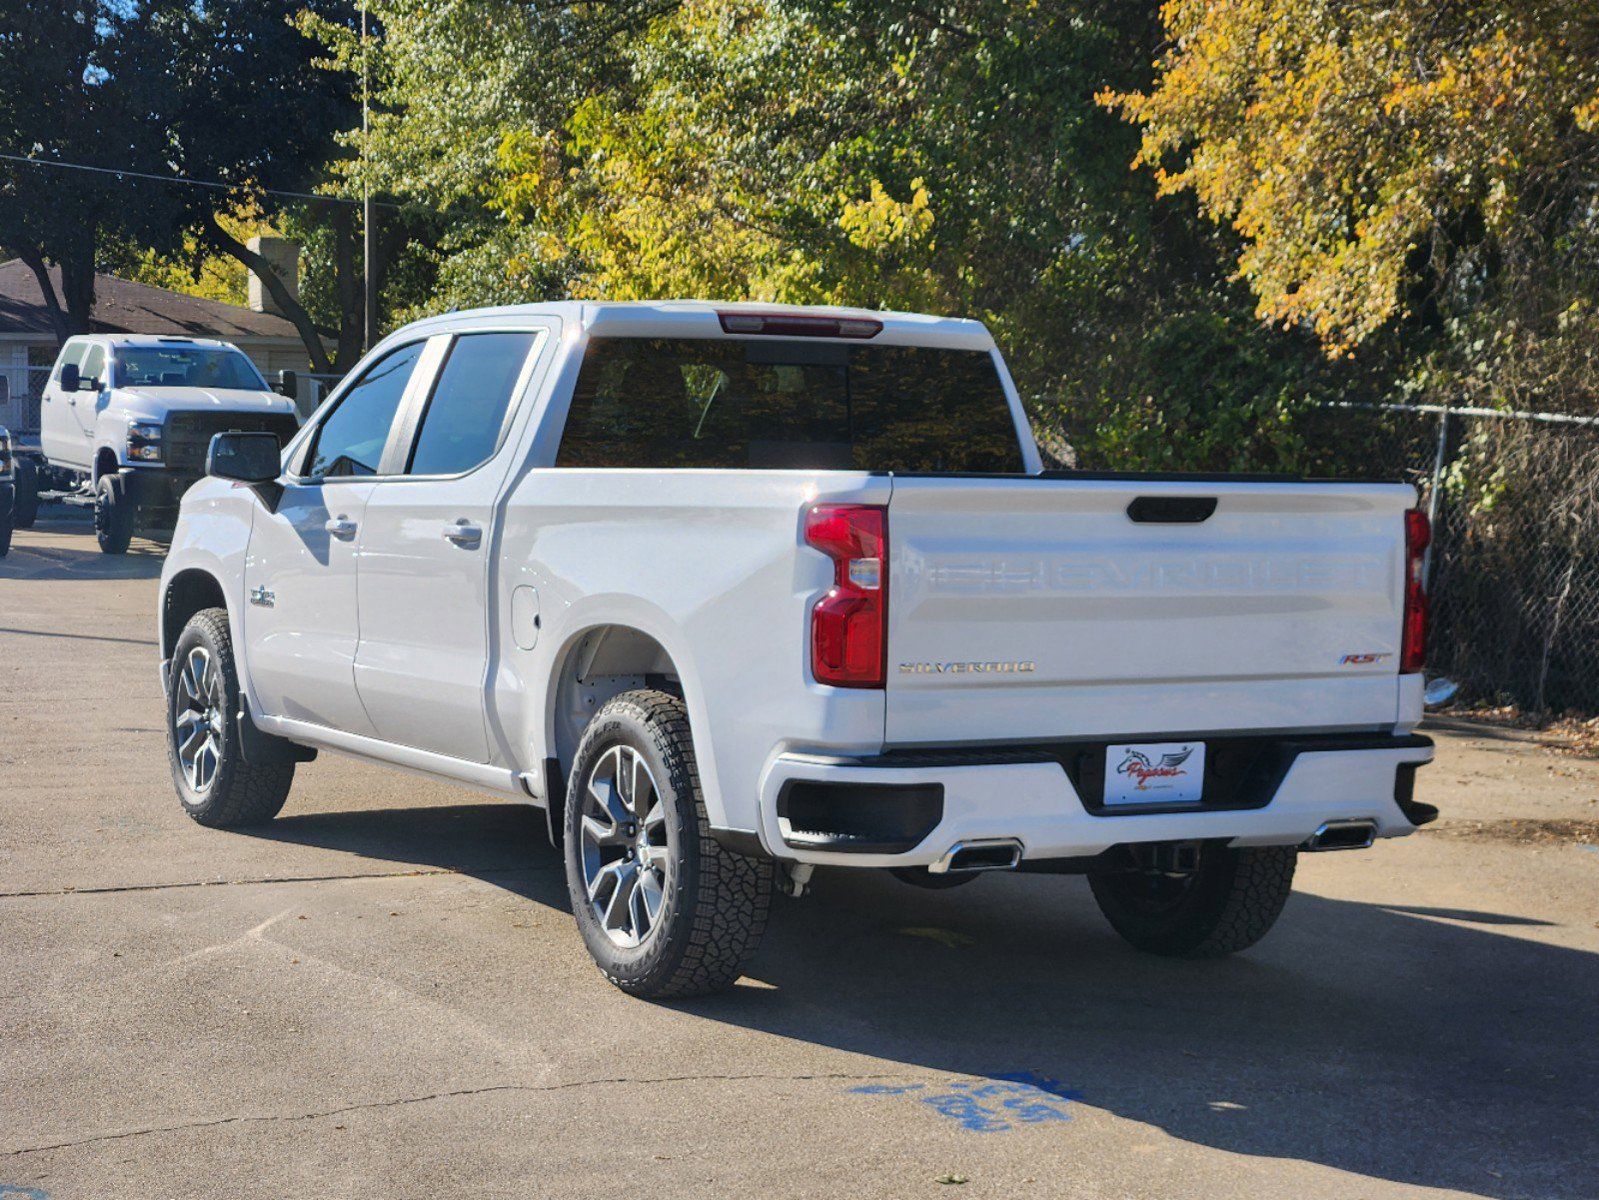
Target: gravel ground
x,y
382,993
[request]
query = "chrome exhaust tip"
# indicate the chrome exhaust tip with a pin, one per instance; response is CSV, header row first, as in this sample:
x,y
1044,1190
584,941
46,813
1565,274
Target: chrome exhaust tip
x,y
1356,834
980,854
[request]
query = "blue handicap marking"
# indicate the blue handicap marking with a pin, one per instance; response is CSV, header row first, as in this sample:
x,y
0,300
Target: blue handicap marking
x,y
990,1105
11,1191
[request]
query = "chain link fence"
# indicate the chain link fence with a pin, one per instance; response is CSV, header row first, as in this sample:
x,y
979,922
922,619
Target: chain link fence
x,y
1513,570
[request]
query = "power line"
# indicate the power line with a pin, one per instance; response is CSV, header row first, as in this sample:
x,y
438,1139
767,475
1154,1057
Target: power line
x,y
217,185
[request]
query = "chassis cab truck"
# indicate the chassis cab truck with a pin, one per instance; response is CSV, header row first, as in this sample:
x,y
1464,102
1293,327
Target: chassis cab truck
x,y
128,419
733,592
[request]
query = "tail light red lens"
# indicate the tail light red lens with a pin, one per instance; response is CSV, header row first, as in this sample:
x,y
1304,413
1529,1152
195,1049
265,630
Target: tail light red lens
x,y
849,624
1413,637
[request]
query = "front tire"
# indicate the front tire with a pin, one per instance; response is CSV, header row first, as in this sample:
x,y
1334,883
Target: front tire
x,y
217,786
664,909
1228,904
114,514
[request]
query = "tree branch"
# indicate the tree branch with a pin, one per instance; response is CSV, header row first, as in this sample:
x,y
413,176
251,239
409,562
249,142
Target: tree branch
x,y
33,258
258,266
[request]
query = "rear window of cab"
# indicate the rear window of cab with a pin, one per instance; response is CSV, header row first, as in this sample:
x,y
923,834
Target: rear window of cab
x,y
767,403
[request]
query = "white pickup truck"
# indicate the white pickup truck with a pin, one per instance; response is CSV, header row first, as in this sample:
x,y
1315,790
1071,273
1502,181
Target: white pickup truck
x,y
732,592
129,418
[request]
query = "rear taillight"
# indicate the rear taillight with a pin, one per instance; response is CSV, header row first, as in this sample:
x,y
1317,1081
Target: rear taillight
x,y
848,625
1413,636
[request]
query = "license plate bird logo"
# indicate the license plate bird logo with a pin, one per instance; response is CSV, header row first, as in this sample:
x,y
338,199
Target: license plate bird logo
x,y
1141,768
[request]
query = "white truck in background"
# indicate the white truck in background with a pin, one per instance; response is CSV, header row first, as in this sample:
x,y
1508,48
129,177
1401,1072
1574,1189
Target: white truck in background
x,y
733,592
125,420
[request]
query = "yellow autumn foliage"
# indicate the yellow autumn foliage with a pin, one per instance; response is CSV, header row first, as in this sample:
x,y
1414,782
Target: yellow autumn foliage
x,y
1356,147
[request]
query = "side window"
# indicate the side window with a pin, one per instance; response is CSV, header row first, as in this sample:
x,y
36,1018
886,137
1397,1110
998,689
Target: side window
x,y
72,353
93,368
461,425
350,440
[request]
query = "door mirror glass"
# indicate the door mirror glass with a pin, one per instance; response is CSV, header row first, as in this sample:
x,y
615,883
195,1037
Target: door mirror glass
x,y
244,457
288,385
69,377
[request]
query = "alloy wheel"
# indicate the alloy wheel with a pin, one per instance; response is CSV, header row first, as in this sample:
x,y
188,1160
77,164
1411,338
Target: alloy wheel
x,y
199,721
626,860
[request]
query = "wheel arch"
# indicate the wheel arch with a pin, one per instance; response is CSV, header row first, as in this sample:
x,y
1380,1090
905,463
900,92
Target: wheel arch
x,y
600,660
187,592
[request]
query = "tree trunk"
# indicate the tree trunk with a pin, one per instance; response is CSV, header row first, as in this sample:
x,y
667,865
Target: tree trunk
x,y
352,317
315,350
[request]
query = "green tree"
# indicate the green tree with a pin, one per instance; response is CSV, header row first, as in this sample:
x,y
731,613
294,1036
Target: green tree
x,y
66,67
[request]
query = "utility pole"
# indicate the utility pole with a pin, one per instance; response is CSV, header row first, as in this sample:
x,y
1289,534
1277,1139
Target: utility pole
x,y
369,241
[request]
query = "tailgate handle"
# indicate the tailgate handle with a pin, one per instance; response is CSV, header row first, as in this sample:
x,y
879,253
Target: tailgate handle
x,y
1171,510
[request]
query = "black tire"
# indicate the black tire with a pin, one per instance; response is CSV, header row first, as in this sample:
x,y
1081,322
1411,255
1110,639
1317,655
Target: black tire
x,y
237,793
1227,905
714,902
26,509
923,878
114,514
5,532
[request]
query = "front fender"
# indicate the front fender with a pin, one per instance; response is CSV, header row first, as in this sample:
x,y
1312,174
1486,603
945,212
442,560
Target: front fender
x,y
213,536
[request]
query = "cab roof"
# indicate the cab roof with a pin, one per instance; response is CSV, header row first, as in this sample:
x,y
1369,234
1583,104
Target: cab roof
x,y
704,318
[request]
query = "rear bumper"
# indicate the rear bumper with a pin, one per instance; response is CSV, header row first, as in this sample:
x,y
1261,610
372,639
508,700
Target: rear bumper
x,y
1031,798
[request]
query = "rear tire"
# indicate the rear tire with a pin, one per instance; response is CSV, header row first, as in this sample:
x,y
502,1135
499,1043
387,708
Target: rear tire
x,y
114,514
26,508
5,533
215,783
664,909
1227,905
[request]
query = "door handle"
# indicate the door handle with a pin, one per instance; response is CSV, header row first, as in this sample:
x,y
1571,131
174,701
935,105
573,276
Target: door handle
x,y
341,527
463,533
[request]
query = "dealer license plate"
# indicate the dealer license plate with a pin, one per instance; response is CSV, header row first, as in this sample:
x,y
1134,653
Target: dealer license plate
x,y
1154,773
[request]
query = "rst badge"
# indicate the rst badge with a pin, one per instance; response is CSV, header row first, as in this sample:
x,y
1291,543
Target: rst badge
x,y
1154,773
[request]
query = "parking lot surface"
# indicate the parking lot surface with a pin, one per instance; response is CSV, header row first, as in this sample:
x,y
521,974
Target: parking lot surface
x,y
382,993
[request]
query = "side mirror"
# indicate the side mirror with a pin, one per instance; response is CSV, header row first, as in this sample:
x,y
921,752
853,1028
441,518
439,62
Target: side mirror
x,y
288,384
245,457
70,379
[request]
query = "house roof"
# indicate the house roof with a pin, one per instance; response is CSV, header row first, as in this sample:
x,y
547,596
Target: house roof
x,y
122,306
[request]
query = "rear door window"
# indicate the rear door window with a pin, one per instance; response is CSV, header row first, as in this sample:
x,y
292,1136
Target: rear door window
x,y
776,403
463,420
351,438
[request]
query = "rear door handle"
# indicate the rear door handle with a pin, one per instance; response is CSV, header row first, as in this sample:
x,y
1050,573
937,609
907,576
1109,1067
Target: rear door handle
x,y
463,533
341,527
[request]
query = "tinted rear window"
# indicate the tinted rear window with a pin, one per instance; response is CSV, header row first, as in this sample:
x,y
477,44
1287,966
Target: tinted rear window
x,y
769,403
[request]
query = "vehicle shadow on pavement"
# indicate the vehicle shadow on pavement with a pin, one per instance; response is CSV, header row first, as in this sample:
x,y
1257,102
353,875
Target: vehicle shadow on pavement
x,y
1399,1047
502,844
38,554
1418,1045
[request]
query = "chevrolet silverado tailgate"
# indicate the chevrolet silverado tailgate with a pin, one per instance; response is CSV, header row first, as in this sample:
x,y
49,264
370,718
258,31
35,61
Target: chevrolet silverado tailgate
x,y
1023,609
